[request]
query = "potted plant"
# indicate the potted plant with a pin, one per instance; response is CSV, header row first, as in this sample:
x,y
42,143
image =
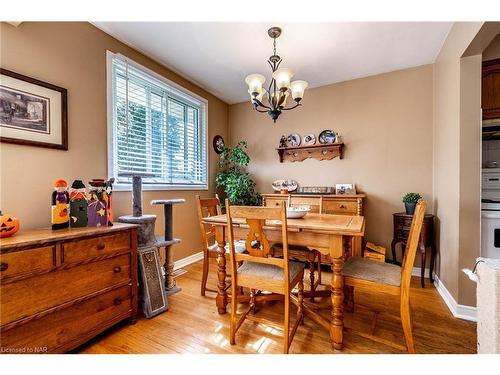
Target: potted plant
x,y
410,200
234,179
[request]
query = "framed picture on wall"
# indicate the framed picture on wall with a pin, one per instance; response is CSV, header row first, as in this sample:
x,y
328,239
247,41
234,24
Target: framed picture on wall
x,y
32,112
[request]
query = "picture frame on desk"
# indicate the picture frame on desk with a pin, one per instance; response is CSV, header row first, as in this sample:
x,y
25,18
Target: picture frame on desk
x,y
345,189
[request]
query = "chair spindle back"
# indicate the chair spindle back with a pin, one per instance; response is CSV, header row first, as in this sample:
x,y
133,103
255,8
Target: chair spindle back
x,y
257,243
207,207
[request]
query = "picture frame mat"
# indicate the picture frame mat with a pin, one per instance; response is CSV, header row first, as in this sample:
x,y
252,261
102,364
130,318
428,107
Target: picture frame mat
x,y
54,98
58,137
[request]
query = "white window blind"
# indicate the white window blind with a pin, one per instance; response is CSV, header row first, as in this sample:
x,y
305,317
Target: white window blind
x,y
156,128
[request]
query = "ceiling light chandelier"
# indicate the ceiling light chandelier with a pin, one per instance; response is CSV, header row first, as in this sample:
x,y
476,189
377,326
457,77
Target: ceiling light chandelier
x,y
279,88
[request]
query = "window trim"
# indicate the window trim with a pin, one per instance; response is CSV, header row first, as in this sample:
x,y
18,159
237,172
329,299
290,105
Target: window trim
x,y
111,139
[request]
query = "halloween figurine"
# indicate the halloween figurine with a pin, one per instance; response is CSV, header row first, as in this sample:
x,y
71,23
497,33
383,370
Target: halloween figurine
x,y
60,205
78,204
96,211
8,225
109,201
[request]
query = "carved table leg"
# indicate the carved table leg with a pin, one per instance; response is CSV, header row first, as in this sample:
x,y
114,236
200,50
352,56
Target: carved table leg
x,y
337,294
312,258
349,298
221,299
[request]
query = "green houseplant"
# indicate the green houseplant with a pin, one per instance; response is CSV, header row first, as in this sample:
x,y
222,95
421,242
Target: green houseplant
x,y
233,178
410,200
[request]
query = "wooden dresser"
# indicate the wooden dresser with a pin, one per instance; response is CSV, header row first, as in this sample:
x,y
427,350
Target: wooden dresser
x,y
328,204
60,288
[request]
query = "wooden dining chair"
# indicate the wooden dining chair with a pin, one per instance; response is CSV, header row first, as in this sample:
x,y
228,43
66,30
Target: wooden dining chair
x,y
210,207
303,254
260,271
390,278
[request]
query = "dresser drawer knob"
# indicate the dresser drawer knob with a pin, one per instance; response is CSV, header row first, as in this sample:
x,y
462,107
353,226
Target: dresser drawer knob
x,y
3,266
117,269
342,206
117,301
101,246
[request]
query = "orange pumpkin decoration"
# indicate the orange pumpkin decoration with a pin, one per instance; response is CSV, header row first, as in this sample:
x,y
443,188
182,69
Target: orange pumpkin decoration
x,y
8,225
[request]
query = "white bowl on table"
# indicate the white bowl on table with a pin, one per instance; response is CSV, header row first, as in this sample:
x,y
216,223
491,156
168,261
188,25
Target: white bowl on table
x,y
296,212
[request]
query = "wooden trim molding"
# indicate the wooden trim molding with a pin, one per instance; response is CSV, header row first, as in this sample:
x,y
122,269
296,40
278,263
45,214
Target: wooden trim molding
x,y
181,263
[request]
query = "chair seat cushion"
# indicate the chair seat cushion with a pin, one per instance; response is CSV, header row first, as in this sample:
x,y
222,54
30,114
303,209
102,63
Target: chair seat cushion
x,y
270,271
371,270
239,247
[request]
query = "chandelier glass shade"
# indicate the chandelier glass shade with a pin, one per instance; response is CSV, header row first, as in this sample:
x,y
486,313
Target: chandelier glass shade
x,y
274,100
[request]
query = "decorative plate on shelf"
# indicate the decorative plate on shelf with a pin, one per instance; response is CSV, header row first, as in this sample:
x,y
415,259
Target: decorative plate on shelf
x,y
327,136
218,144
293,140
289,185
309,139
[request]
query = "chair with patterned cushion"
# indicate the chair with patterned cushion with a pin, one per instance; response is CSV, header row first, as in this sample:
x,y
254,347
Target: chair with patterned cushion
x,y
260,271
390,278
303,254
210,207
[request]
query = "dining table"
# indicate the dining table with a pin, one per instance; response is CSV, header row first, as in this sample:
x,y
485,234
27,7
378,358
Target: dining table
x,y
327,233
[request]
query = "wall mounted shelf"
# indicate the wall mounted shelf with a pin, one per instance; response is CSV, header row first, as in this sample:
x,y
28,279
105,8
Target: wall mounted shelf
x,y
320,152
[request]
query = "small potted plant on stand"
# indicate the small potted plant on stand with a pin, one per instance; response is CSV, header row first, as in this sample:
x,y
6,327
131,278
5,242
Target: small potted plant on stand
x,y
410,200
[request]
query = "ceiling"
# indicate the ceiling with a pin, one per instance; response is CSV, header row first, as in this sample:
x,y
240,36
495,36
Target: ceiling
x,y
218,56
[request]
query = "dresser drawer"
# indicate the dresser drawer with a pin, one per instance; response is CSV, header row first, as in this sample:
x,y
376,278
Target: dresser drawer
x,y
77,251
275,202
27,262
340,207
55,288
77,322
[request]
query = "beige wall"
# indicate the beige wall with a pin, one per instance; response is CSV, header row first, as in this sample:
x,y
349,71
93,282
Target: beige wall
x,y
447,159
73,55
386,124
493,50
470,174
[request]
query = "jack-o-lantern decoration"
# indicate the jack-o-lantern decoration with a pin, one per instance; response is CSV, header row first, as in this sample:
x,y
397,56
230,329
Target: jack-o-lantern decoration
x,y
8,225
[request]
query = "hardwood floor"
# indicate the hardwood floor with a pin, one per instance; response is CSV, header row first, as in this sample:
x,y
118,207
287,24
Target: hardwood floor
x,y
192,325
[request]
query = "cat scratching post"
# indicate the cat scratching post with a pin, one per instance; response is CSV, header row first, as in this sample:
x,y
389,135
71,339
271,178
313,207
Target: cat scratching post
x,y
168,241
152,295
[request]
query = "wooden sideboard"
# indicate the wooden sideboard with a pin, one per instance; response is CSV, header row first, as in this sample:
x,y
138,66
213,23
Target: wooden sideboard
x,y
328,204
60,288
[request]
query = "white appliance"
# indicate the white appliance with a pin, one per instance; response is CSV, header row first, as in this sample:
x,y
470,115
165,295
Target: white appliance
x,y
490,213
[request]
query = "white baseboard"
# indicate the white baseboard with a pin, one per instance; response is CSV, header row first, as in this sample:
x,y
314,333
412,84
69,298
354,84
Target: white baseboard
x,y
458,311
188,260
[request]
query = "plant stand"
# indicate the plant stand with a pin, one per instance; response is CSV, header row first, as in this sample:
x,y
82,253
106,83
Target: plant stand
x,y
167,241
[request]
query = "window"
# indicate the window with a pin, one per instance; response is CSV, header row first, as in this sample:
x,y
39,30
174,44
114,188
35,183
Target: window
x,y
154,126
